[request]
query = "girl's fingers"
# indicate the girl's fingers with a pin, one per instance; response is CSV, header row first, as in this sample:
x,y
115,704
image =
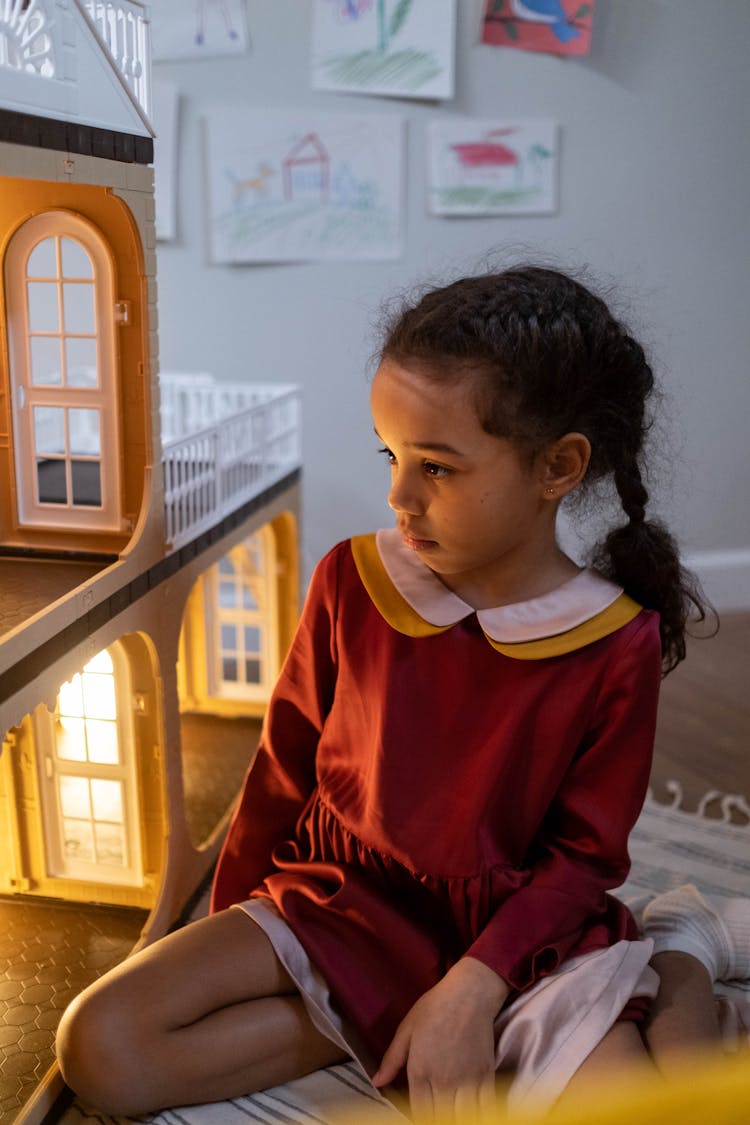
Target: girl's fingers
x,y
488,1096
466,1104
422,1104
393,1060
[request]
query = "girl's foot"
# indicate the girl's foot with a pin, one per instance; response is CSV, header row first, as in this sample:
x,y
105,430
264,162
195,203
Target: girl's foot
x,y
712,929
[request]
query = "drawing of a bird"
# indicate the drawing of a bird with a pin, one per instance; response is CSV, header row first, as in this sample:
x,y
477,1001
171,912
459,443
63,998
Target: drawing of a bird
x,y
550,12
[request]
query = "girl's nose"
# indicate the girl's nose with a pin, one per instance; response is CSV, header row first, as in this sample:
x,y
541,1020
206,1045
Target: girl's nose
x,y
404,497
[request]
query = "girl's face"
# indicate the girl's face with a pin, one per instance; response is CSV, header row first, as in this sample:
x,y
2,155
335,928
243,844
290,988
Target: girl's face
x,y
466,502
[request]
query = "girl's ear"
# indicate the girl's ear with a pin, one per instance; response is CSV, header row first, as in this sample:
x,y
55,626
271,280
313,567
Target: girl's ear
x,y
565,464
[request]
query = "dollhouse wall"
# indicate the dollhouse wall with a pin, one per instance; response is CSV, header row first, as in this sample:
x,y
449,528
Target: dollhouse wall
x,y
73,585
653,148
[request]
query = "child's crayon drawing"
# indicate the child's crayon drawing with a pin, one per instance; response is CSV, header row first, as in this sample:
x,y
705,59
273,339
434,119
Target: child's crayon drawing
x,y
286,186
192,29
556,27
402,48
485,167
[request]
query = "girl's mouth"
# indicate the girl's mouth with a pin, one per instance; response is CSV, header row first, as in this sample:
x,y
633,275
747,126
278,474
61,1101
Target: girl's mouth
x,y
415,544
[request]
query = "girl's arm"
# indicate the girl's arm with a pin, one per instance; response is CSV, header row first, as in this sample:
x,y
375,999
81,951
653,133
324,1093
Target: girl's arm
x,y
282,776
582,847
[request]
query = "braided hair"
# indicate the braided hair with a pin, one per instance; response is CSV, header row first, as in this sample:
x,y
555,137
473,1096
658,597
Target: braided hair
x,y
547,358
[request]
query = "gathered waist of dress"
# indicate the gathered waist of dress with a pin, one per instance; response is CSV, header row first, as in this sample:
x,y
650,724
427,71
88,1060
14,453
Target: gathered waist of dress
x,y
323,839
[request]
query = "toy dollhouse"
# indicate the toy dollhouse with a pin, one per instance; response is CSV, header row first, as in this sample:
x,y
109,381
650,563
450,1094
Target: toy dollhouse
x,y
148,541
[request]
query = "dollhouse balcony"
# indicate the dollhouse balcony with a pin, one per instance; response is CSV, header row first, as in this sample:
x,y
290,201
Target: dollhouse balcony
x,y
124,27
223,444
86,61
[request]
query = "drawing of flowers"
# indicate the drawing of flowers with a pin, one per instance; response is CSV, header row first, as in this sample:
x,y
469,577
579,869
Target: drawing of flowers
x,y
406,69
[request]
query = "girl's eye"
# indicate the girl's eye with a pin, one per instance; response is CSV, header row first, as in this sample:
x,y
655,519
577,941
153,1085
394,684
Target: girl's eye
x,y
434,470
389,456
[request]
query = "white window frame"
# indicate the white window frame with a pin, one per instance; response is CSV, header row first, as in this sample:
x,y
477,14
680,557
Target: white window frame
x,y
264,585
51,768
25,396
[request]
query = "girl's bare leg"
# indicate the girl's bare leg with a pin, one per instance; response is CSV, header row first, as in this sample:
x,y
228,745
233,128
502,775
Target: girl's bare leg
x,y
621,1051
698,939
205,1014
683,1019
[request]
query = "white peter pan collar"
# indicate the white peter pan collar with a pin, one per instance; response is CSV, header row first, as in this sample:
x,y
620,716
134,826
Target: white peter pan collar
x,y
571,604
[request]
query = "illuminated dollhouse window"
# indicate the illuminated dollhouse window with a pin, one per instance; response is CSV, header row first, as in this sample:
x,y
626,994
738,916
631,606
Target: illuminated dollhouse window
x,y
89,785
241,611
60,285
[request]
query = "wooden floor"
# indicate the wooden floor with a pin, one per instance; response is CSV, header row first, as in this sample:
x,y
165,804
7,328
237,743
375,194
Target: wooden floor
x,y
703,732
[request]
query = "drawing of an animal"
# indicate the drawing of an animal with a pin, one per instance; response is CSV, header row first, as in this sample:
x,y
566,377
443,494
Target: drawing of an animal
x,y
256,186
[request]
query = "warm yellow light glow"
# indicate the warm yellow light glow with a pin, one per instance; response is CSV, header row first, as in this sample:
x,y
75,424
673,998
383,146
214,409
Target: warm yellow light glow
x,y
101,664
99,696
71,739
70,699
103,744
74,797
107,798
87,713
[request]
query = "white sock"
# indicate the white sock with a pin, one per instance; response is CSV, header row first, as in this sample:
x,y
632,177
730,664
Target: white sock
x,y
715,930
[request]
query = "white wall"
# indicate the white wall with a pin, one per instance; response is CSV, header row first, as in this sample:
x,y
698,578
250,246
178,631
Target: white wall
x,y
654,195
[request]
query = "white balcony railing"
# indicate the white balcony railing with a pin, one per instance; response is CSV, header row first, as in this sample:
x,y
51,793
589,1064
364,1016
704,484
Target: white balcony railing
x,y
250,438
44,71
125,28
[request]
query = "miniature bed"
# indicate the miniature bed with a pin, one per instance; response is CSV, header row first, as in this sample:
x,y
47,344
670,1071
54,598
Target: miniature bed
x,y
669,846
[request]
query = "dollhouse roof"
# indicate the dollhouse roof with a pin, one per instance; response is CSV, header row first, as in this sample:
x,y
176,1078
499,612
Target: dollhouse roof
x,y
72,60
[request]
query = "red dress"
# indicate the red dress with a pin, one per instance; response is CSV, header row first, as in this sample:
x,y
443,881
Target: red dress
x,y
424,791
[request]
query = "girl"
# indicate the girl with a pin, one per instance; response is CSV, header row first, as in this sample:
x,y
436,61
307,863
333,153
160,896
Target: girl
x,y
455,753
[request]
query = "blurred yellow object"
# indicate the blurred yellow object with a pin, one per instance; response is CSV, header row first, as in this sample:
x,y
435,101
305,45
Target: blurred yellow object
x,y
715,1092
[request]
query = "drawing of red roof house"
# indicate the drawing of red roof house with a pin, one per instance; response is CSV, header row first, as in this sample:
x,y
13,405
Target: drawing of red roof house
x,y
307,170
487,153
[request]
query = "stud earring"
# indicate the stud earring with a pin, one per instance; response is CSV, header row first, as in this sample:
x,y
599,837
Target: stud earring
x,y
549,491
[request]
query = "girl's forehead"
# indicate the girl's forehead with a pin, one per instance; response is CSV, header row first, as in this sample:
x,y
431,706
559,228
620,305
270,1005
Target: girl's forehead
x,y
412,408
419,390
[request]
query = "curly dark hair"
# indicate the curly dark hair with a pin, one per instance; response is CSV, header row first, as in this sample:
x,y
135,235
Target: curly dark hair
x,y
548,358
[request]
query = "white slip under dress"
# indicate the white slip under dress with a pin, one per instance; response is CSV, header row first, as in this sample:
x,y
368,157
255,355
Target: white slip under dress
x,y
542,1037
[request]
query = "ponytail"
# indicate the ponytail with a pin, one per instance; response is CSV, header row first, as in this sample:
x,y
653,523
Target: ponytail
x,y
643,558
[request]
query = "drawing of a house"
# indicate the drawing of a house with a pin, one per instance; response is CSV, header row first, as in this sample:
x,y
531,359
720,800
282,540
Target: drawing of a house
x,y
307,170
487,154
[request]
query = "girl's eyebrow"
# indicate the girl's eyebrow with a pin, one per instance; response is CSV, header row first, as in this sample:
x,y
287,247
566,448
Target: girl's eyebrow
x,y
430,446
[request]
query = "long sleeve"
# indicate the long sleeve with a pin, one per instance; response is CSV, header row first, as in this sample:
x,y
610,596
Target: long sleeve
x,y
581,850
282,776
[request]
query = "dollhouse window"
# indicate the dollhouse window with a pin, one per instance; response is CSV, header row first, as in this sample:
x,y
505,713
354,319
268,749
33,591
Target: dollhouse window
x,y
61,329
240,610
88,779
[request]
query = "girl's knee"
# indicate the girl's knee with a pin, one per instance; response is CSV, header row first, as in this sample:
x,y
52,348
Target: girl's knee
x,y
98,1051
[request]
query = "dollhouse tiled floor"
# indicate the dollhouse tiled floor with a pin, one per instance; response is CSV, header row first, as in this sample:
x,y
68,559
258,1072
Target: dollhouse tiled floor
x,y
49,952
215,755
29,585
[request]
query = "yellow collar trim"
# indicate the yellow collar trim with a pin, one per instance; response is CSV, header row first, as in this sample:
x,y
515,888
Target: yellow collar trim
x,y
401,616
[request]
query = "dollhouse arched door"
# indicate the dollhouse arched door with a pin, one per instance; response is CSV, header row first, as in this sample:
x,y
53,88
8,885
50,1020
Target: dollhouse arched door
x,y
59,278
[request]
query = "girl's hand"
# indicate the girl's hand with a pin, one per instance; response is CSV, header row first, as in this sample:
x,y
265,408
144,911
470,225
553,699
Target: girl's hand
x,y
447,1043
